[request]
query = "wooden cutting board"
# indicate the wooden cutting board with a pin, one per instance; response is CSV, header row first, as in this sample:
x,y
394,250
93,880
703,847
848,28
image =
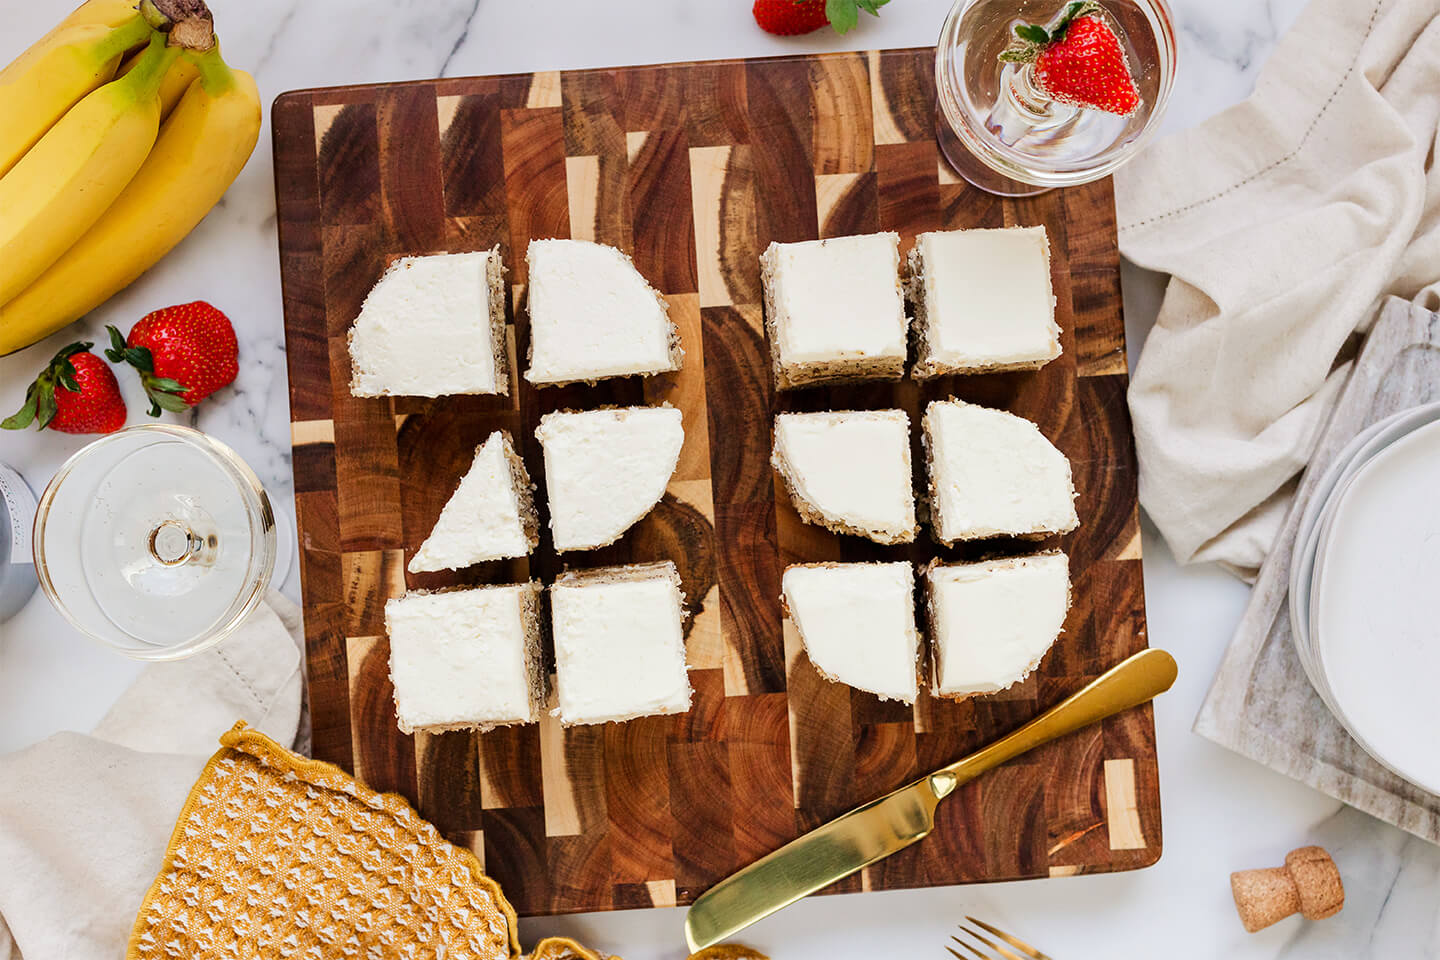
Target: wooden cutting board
x,y
692,169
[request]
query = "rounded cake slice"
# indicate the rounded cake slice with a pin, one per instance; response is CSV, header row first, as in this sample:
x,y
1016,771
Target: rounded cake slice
x,y
849,471
857,621
993,474
593,315
491,515
991,623
606,469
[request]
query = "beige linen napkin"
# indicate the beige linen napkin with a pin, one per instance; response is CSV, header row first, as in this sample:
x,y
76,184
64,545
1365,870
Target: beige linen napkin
x,y
84,820
1281,222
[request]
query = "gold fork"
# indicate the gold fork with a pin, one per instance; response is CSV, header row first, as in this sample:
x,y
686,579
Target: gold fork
x,y
1027,952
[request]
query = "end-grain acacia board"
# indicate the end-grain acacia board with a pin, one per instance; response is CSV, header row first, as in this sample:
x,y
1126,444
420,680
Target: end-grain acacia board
x,y
692,169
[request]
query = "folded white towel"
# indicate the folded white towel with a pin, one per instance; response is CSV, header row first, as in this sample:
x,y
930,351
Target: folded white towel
x,y
84,820
1281,222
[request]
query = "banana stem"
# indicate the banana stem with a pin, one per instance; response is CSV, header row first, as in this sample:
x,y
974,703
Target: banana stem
x,y
132,33
215,74
188,22
150,69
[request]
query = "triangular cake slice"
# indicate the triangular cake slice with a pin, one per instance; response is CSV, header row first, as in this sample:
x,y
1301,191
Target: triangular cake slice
x,y
991,623
849,471
490,516
857,621
433,326
592,315
605,469
993,474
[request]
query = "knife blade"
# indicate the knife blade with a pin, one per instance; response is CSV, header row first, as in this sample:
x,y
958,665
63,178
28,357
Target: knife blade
x,y
875,830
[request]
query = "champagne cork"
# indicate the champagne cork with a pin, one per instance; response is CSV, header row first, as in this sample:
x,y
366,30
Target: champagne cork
x,y
1308,884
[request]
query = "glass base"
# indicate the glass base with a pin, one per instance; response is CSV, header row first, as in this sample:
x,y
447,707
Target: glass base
x,y
974,171
156,540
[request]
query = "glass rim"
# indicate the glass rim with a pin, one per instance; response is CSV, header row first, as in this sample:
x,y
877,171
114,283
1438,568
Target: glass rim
x,y
1000,161
258,506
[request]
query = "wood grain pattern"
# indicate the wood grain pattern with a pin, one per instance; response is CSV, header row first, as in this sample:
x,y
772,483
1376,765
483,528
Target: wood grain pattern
x,y
692,169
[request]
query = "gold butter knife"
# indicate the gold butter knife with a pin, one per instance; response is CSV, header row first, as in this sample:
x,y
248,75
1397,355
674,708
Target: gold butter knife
x,y
898,819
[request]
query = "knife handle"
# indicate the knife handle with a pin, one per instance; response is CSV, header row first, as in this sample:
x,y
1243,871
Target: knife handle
x,y
1133,681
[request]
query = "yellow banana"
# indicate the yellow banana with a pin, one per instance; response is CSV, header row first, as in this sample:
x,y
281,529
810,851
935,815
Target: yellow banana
x,y
201,149
112,13
36,94
106,13
177,80
62,186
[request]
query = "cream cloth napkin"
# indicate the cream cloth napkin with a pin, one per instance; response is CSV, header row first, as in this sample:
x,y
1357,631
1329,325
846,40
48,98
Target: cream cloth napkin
x,y
1281,221
84,820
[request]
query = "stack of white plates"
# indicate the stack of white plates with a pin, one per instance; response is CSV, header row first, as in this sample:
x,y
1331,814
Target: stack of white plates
x,y
1365,592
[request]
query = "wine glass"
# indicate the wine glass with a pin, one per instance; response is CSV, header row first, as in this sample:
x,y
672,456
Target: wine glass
x,y
1000,131
156,540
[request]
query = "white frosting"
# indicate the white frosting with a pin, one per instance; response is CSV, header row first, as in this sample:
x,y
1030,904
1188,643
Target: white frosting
x,y
619,649
592,315
857,621
481,521
994,473
605,469
424,330
853,467
460,657
987,297
993,621
838,299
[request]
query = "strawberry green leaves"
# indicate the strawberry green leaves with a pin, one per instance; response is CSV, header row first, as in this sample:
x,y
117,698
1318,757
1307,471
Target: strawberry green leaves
x,y
844,15
1031,38
164,393
40,407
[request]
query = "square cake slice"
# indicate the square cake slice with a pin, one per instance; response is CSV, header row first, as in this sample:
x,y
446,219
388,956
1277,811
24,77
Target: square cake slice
x,y
433,326
491,515
834,310
983,301
592,315
857,621
619,643
849,471
466,659
991,623
993,474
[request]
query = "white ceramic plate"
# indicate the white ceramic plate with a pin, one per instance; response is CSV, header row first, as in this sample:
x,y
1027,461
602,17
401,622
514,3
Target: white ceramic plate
x,y
1376,606
1355,454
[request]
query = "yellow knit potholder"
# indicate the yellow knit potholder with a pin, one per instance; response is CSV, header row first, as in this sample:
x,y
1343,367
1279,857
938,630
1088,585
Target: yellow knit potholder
x,y
277,856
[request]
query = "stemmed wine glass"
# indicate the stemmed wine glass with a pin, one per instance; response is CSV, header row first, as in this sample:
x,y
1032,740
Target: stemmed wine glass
x,y
157,540
998,128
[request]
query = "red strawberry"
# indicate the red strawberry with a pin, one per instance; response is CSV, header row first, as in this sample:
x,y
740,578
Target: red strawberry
x,y
88,399
787,18
184,353
1079,61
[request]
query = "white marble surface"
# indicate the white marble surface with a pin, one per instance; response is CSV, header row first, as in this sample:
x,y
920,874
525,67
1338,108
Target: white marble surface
x,y
1221,812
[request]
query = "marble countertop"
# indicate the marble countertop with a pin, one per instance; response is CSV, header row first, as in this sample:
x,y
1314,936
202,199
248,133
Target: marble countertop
x,y
1221,812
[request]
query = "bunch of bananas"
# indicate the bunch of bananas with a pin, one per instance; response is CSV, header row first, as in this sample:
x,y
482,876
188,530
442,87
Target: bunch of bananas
x,y
119,130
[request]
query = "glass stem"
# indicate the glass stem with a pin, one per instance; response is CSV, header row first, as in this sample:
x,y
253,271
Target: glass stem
x,y
1020,108
173,543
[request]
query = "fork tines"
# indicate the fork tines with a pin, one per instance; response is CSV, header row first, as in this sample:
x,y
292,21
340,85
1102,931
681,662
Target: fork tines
x,y
997,950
